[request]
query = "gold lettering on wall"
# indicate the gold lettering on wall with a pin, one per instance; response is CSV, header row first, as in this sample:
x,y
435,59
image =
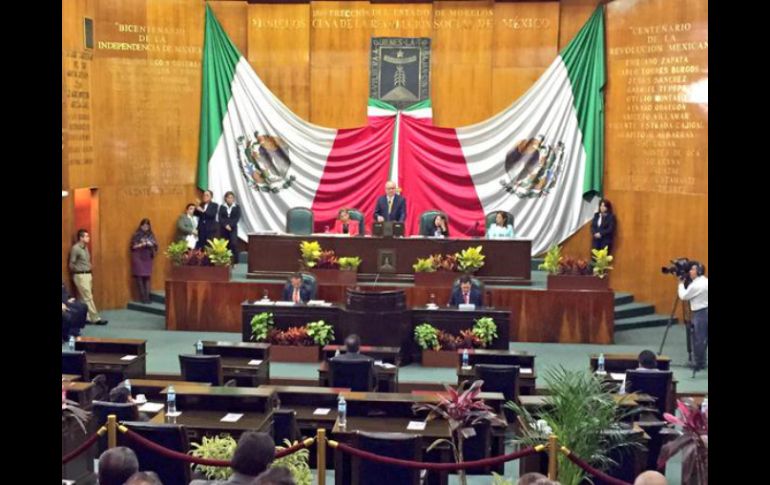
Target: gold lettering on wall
x,y
146,38
79,146
662,125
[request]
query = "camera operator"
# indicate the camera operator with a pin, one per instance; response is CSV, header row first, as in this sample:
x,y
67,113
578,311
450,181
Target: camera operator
x,y
697,293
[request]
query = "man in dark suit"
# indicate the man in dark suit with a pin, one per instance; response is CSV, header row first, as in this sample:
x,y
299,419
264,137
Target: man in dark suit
x,y
466,293
73,314
229,215
295,290
352,354
207,219
391,206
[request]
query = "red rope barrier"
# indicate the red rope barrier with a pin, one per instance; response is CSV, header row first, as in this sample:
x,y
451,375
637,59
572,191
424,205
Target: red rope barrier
x,y
437,466
80,449
193,459
593,471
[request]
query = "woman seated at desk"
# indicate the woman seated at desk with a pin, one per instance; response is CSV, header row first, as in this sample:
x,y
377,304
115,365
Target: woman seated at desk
x,y
345,225
440,227
500,229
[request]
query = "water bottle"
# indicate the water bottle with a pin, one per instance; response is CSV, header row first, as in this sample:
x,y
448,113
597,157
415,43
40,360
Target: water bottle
x,y
199,348
600,369
465,357
337,352
342,412
704,406
71,343
127,383
171,401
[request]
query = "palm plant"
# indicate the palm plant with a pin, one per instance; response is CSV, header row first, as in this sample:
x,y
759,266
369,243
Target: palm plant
x,y
461,411
311,253
693,443
602,260
551,261
585,417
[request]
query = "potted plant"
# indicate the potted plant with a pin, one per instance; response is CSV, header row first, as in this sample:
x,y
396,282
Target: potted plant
x,y
584,415
211,264
470,260
567,273
261,324
692,442
485,329
602,260
349,263
327,267
222,447
311,252
461,411
435,271
74,421
295,344
322,333
438,348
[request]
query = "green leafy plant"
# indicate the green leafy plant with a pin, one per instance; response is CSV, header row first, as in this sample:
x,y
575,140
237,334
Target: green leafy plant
x,y
176,252
311,253
220,447
349,263
500,480
426,336
584,416
424,265
470,260
261,324
485,329
322,333
297,463
72,410
602,260
461,410
551,261
218,252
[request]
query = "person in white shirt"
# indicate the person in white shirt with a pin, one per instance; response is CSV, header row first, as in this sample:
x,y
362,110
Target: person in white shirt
x,y
697,293
501,228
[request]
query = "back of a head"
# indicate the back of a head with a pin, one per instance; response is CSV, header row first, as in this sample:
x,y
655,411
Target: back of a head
x,y
119,394
255,451
352,343
144,478
651,477
277,475
531,478
116,465
648,360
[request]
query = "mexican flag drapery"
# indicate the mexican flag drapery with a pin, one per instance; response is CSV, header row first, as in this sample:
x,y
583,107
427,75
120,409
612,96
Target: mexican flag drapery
x,y
541,158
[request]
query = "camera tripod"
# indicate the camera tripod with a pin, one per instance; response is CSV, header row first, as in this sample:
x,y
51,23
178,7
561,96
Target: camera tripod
x,y
688,328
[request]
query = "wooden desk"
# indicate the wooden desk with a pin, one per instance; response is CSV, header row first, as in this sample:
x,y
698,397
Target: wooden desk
x,y
453,320
152,388
104,356
222,398
391,355
532,403
111,345
289,316
208,423
235,361
622,362
387,379
395,404
80,392
512,257
526,380
70,377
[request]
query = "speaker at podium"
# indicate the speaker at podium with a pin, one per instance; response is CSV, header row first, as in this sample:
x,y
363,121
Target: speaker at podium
x,y
388,229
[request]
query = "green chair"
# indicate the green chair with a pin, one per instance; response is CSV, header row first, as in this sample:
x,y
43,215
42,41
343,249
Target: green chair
x,y
357,215
490,220
426,221
308,279
299,220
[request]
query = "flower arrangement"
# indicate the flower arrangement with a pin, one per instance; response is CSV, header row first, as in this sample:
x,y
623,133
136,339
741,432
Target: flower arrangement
x,y
314,256
314,333
482,334
216,253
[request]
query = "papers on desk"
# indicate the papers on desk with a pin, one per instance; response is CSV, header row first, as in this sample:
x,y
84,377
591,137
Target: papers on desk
x,y
318,303
231,417
222,343
384,365
618,376
284,303
525,370
151,407
265,302
416,426
321,411
466,307
128,357
431,306
255,362
174,414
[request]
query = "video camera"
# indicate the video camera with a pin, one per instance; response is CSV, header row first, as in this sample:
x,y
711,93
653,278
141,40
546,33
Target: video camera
x,y
681,268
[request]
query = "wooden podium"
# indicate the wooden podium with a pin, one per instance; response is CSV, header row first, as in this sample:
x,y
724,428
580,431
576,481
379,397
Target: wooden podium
x,y
378,317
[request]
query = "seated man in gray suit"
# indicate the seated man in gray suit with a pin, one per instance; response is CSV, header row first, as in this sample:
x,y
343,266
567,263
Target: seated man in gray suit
x,y
352,347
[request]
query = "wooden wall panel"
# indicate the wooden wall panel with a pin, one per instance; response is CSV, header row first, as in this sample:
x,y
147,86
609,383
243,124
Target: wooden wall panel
x,y
233,16
461,72
279,51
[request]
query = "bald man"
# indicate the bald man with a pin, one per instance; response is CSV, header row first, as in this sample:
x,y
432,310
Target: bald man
x,y
391,206
650,477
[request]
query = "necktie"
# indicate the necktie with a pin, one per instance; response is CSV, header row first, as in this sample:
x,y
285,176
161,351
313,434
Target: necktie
x,y
296,295
465,295
390,205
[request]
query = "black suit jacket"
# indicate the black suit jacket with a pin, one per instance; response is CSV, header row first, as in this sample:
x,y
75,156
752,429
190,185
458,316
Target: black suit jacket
x,y
475,297
398,213
607,231
207,220
288,293
359,357
232,221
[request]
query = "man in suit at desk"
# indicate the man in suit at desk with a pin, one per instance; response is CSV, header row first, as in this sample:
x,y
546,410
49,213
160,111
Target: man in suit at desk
x,y
647,361
391,206
296,291
352,354
466,293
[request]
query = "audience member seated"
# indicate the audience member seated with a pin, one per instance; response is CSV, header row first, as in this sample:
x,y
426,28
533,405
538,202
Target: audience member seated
x,y
440,227
352,354
254,453
650,477
144,478
295,290
116,465
277,475
647,361
345,225
120,394
466,293
501,228
73,314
